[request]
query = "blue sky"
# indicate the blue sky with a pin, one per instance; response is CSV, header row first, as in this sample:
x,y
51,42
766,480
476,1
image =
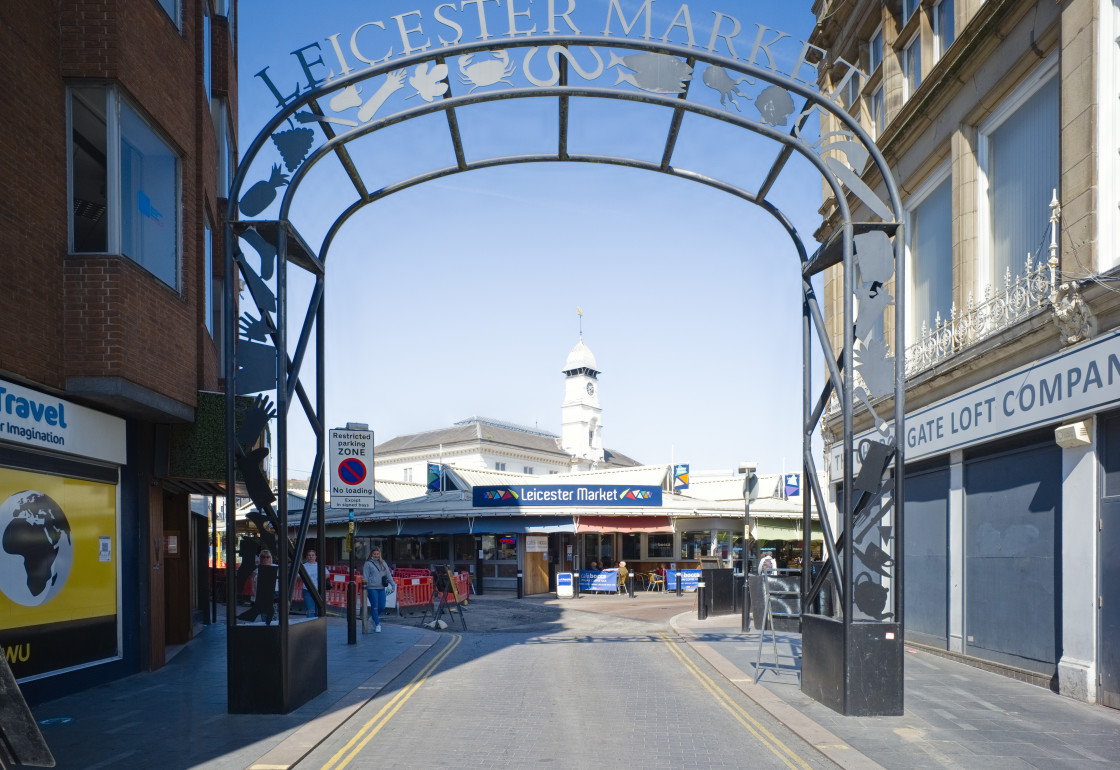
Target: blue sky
x,y
458,297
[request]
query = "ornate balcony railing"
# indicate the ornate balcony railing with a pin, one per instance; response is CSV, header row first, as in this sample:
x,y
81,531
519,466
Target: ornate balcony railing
x,y
1022,296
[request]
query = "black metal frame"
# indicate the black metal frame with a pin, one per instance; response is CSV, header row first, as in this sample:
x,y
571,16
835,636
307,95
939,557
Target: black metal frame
x,y
293,251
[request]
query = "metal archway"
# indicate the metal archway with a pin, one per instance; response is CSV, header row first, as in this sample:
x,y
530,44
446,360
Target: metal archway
x,y
863,568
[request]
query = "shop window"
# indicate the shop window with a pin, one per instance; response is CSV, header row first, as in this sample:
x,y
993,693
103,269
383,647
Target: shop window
x,y
223,139
207,64
1019,148
125,194
208,275
631,547
912,66
89,170
171,7
943,27
696,544
505,547
875,51
878,113
929,249
851,91
464,548
660,546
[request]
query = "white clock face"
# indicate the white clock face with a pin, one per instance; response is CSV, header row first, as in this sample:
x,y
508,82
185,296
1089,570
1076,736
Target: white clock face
x,y
591,389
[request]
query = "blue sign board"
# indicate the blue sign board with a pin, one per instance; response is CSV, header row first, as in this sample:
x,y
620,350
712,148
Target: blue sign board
x,y
689,579
599,580
564,585
597,495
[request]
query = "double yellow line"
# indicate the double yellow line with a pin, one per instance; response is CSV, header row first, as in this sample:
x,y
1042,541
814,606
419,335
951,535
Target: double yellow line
x,y
753,726
374,725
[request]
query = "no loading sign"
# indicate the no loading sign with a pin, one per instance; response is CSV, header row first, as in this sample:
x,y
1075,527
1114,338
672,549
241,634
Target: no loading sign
x,y
351,463
351,471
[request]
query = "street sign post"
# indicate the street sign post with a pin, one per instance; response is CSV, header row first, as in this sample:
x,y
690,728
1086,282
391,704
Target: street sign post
x,y
351,453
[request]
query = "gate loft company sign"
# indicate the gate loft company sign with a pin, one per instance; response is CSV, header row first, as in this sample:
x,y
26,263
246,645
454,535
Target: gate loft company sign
x,y
1067,385
565,494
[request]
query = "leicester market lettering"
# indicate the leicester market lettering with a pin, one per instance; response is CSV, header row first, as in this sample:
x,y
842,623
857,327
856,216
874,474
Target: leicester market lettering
x,y
373,42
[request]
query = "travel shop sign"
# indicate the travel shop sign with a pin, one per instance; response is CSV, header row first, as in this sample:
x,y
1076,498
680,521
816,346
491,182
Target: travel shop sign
x,y
594,495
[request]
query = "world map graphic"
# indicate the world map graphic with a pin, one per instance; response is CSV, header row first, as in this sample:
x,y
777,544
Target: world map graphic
x,y
36,548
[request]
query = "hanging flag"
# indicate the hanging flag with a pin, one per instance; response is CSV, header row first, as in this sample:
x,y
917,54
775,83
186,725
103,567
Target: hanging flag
x,y
434,477
680,476
793,484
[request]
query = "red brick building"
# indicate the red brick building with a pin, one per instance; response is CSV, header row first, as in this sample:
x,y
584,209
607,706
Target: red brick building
x,y
118,142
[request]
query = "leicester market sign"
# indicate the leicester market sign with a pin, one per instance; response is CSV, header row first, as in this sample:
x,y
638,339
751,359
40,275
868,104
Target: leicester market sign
x,y
375,42
565,494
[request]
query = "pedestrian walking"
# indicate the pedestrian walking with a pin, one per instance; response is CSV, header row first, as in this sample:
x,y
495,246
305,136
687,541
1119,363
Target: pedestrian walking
x,y
311,567
378,578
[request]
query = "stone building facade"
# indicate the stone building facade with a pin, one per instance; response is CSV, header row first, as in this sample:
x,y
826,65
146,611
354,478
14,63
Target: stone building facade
x,y
999,121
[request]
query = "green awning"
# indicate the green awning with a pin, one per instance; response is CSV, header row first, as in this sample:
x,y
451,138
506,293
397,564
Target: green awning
x,y
781,529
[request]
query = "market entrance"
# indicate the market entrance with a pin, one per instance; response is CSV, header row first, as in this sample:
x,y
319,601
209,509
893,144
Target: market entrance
x,y
327,124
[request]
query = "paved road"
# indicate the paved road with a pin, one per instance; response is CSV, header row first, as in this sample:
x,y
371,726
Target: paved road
x,y
606,686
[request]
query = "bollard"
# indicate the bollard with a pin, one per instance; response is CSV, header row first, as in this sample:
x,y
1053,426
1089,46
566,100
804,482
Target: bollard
x,y
701,605
520,584
630,584
575,584
351,606
746,622
679,583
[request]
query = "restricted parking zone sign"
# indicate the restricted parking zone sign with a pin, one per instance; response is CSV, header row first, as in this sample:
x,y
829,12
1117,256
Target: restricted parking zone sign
x,y
351,453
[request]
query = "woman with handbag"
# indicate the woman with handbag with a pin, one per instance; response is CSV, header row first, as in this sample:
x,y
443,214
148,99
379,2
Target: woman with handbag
x,y
378,578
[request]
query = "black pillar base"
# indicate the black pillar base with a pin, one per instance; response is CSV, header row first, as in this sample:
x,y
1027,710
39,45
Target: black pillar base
x,y
261,681
869,682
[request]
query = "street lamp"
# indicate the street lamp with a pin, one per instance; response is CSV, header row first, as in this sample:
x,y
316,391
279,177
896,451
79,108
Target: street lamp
x,y
750,492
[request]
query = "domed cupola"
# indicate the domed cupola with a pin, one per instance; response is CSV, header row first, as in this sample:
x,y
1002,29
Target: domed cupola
x,y
581,361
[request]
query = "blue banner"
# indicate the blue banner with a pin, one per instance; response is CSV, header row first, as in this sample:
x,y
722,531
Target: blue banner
x,y
689,579
680,476
597,495
793,484
434,478
598,580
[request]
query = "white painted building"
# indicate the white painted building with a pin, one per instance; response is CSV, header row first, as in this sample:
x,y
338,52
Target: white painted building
x,y
479,443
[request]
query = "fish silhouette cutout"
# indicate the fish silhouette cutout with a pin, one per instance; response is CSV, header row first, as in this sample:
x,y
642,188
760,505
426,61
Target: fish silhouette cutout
x,y
657,73
429,83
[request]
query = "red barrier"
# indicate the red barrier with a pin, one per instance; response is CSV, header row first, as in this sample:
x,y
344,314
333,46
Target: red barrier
x,y
411,572
414,591
462,585
336,588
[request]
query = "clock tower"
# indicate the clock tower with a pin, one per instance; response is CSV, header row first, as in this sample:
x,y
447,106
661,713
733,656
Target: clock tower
x,y
581,432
